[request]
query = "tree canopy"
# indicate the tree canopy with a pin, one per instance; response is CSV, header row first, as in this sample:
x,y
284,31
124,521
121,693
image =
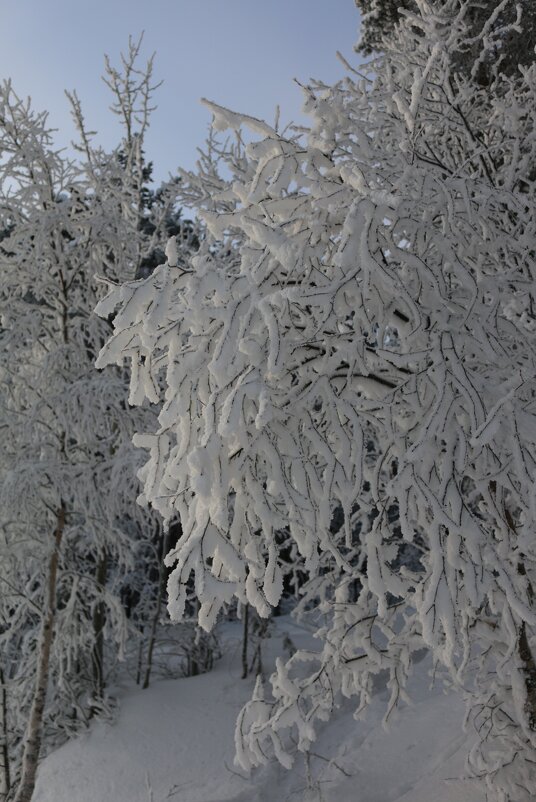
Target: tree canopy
x,y
346,367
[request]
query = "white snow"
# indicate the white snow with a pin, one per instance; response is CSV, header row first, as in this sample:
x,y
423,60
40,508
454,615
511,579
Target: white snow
x,y
174,742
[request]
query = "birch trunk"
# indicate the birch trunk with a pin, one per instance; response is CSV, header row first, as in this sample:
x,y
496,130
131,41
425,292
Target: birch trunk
x,y
32,742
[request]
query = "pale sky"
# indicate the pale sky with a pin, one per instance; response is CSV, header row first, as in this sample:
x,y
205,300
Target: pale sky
x,y
240,53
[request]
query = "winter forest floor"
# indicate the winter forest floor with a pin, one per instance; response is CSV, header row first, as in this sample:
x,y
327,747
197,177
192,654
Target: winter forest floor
x,y
174,741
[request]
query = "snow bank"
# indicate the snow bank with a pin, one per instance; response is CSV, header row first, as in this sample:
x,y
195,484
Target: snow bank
x,y
174,741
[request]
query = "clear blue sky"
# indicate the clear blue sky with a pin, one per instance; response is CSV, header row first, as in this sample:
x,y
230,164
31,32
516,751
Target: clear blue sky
x,y
240,53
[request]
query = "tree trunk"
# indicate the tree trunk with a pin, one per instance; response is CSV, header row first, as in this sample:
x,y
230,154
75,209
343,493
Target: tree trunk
x,y
6,778
245,638
260,627
527,658
529,670
99,621
525,653
32,742
154,625
140,657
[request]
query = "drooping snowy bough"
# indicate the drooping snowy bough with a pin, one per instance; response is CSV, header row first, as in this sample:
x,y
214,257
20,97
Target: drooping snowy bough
x,y
347,366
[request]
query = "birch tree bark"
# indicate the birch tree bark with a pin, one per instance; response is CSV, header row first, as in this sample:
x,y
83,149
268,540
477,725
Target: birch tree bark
x,y
32,743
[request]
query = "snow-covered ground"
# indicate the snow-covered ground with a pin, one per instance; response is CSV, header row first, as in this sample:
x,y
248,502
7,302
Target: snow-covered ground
x,y
174,741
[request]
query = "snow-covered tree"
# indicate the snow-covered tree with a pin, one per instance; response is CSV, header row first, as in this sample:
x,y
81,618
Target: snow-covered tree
x,y
348,366
379,20
71,535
